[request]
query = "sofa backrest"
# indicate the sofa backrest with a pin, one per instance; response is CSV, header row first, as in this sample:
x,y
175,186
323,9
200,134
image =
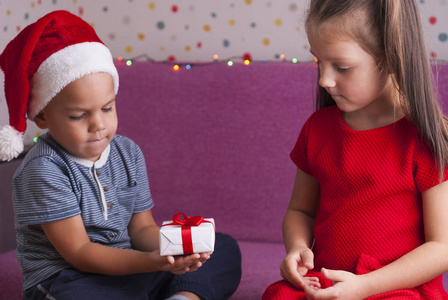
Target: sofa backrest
x,y
217,138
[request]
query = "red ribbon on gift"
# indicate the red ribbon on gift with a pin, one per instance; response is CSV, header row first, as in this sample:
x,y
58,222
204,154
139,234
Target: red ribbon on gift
x,y
186,223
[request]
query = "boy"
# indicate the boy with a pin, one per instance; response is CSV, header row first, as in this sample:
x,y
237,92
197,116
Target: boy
x,y
81,196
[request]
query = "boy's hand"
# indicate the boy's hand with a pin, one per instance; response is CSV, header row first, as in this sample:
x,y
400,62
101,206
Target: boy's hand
x,y
295,266
180,264
346,285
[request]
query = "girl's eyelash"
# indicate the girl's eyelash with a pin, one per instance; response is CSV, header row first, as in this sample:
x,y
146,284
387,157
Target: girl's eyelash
x,y
106,109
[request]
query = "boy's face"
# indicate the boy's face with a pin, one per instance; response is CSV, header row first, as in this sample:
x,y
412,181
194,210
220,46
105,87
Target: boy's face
x,y
82,117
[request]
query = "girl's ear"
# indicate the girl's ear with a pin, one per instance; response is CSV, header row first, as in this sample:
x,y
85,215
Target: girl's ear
x,y
41,121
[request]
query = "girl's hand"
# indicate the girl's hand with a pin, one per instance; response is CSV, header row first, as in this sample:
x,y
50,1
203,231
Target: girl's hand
x,y
346,285
295,266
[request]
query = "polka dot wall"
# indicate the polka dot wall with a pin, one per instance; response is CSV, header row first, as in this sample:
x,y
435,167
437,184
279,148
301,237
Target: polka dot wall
x,y
195,30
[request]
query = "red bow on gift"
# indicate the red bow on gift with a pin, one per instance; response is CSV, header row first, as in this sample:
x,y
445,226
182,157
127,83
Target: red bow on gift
x,y
186,223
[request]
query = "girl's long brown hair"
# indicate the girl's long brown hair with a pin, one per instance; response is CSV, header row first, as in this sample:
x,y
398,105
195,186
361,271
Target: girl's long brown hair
x,y
391,31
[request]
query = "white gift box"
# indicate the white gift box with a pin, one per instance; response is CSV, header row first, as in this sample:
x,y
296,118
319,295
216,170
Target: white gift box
x,y
202,237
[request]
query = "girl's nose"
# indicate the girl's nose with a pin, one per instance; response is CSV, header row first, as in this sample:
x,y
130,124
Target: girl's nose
x,y
326,78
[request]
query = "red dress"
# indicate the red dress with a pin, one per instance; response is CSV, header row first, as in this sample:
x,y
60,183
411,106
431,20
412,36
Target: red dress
x,y
370,211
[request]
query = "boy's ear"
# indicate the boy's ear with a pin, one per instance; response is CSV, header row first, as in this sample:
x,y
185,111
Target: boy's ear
x,y
41,121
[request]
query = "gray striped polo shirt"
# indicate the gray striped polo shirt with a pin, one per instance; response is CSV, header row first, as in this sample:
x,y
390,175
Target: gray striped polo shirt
x,y
52,185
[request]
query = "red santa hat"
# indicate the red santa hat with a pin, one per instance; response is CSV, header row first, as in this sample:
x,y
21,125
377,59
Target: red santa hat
x,y
43,59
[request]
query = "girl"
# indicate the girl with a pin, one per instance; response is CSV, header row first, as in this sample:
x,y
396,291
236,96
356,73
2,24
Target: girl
x,y
372,161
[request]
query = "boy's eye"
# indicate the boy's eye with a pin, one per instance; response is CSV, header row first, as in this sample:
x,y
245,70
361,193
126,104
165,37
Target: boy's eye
x,y
77,118
342,70
107,109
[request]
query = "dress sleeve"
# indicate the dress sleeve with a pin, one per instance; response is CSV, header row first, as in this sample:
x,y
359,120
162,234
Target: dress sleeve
x,y
299,154
43,192
426,173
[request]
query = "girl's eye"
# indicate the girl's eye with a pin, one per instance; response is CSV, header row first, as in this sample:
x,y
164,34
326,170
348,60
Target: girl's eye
x,y
107,109
343,70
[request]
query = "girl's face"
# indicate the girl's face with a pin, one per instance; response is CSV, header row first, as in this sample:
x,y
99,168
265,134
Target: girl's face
x,y
350,74
82,117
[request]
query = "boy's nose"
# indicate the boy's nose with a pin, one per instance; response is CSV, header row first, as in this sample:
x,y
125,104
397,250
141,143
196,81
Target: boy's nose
x,y
96,123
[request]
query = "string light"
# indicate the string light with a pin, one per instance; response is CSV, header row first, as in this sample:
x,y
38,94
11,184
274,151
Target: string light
x,y
176,66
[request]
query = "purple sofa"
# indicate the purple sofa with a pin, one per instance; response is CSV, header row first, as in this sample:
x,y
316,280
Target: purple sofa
x,y
216,141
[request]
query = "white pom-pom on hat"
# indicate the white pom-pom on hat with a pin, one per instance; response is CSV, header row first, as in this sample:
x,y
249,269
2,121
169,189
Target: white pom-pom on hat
x,y
11,143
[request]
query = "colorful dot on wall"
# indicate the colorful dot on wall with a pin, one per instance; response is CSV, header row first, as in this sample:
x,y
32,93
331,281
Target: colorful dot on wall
x,y
8,12
54,2
231,22
443,37
126,20
5,28
160,25
27,16
39,2
432,20
207,28
187,27
266,41
433,54
162,49
105,9
75,1
174,8
171,58
247,56
111,36
213,14
187,48
18,28
128,49
248,2
253,24
33,4
199,45
80,10
152,5
141,36
293,7
226,43
278,22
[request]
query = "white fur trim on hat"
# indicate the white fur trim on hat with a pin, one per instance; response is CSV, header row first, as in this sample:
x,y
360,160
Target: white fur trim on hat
x,y
11,143
65,66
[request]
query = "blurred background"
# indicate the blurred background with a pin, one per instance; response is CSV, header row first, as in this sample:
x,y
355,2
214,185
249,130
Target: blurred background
x,y
198,31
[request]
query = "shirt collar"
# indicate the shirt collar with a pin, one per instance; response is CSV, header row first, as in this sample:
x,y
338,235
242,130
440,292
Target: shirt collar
x,y
93,164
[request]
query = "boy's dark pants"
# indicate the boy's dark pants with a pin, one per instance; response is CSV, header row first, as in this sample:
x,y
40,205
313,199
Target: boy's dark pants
x,y
218,278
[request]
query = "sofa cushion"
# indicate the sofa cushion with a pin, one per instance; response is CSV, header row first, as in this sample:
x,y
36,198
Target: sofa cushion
x,y
10,277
